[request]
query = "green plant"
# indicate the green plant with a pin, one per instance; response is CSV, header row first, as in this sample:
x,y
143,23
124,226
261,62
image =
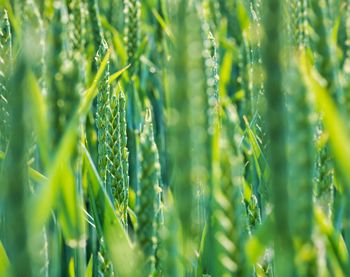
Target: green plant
x,y
174,138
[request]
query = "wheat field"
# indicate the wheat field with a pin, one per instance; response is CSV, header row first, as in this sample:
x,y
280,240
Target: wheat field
x,y
174,138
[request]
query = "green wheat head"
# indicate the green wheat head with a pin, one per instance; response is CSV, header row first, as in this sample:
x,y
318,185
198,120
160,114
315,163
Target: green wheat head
x,y
115,172
75,24
321,39
229,216
5,60
132,13
103,111
326,67
123,145
301,164
148,197
301,169
211,73
97,31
